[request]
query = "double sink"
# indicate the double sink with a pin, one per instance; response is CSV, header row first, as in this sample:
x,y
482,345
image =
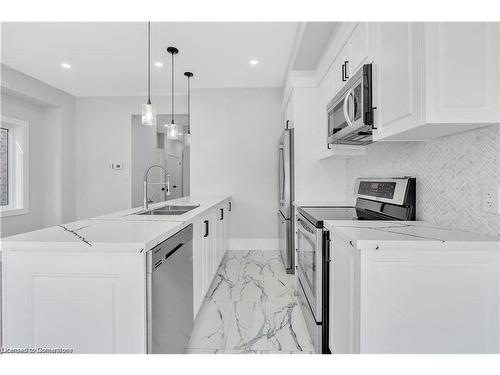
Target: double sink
x,y
170,210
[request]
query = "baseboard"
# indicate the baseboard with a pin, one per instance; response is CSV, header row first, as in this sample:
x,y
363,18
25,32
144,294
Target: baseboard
x,y
264,244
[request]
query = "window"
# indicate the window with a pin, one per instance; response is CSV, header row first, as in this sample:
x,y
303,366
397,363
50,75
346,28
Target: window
x,y
13,167
4,167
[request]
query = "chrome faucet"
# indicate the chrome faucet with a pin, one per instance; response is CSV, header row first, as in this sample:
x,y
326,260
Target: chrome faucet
x,y
166,185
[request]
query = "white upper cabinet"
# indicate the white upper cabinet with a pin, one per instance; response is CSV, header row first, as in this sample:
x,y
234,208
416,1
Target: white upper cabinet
x,y
357,50
353,50
429,79
396,77
461,67
434,79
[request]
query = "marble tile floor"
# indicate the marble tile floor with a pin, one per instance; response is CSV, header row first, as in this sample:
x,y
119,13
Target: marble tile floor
x,y
251,307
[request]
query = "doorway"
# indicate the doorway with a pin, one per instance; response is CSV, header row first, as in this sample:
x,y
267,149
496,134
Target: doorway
x,y
150,146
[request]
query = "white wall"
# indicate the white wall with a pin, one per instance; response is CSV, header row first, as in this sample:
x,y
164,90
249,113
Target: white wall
x,y
450,171
103,133
233,151
315,180
104,136
50,113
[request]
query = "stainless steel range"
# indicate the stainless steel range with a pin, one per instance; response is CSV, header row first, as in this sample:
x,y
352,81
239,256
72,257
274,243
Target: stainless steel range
x,y
376,199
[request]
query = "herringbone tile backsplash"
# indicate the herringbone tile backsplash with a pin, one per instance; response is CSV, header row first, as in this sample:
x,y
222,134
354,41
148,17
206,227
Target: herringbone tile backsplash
x,y
450,171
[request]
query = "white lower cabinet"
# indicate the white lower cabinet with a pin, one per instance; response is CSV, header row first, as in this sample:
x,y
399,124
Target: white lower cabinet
x,y
210,243
88,302
208,249
413,301
220,231
95,302
344,300
198,266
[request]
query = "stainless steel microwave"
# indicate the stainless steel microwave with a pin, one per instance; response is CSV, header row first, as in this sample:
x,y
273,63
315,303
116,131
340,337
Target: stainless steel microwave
x,y
350,113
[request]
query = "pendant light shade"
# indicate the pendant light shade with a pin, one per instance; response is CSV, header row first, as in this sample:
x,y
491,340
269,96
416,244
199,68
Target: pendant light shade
x,y
187,136
148,111
173,131
173,128
148,115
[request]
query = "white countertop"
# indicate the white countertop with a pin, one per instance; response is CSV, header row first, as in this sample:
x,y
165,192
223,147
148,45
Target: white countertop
x,y
132,214
391,235
117,232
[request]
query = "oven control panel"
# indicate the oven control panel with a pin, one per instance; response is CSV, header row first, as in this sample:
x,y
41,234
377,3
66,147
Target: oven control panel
x,y
379,189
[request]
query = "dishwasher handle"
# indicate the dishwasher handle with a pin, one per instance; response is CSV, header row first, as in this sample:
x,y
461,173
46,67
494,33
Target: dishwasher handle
x,y
174,250
161,252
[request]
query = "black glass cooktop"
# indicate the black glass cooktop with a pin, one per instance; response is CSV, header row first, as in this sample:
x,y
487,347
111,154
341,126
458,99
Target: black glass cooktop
x,y
316,215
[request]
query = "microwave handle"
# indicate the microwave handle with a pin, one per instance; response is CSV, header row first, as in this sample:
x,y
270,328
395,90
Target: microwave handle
x,y
346,113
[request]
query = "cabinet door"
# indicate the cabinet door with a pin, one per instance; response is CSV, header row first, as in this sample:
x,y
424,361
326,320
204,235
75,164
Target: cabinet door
x,y
214,240
227,225
221,218
433,301
358,48
397,78
90,302
208,250
462,72
198,265
324,95
338,74
344,299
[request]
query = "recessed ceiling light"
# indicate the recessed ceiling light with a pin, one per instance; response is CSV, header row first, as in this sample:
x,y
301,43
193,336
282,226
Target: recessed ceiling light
x,y
66,65
254,62
158,64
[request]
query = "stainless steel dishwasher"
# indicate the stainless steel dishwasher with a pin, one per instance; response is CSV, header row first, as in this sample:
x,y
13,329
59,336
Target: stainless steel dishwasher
x,y
170,293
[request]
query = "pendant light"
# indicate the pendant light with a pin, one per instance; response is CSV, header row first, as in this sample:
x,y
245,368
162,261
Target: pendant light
x,y
148,111
173,128
187,136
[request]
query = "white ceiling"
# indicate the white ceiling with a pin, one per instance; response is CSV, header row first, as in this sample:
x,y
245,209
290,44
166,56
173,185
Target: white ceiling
x,y
109,58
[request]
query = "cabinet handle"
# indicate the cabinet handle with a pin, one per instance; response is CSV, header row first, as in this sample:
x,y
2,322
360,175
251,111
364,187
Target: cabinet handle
x,y
221,214
230,207
206,228
343,72
345,69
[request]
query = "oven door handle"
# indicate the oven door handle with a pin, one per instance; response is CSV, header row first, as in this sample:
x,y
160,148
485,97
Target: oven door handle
x,y
303,229
346,111
282,175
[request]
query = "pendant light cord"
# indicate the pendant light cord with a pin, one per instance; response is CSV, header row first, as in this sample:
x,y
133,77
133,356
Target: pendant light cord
x,y
172,88
189,106
149,62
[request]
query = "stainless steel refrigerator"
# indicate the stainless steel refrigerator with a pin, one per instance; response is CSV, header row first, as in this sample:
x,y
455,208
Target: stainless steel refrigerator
x,y
286,196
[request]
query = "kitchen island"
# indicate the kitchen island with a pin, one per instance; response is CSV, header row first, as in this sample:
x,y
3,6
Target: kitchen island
x,y
83,286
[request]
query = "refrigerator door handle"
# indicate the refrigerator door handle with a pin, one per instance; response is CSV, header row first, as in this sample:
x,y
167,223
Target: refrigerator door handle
x,y
282,174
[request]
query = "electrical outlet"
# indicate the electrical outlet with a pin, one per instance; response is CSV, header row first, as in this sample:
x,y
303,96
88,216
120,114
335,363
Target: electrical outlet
x,y
491,200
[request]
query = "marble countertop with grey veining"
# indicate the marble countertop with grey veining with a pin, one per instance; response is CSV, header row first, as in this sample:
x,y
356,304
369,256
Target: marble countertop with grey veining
x,y
392,235
123,231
